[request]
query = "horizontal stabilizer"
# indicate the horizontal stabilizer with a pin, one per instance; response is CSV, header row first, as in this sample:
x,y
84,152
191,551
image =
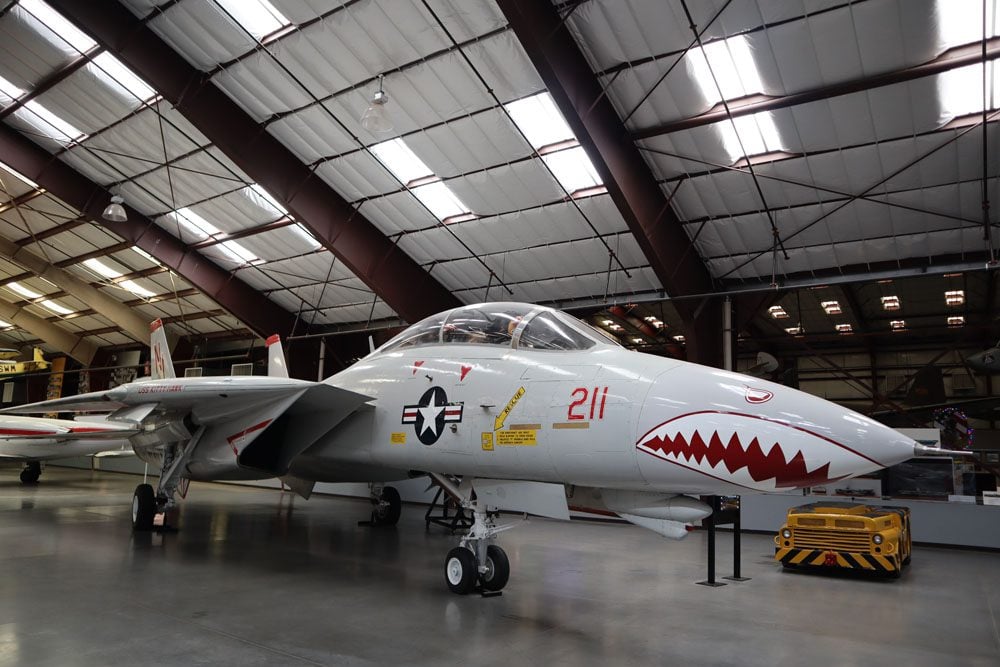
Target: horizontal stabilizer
x,y
536,498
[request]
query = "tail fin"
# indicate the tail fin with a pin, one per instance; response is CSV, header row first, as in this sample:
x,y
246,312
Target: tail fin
x,y
162,366
38,355
276,367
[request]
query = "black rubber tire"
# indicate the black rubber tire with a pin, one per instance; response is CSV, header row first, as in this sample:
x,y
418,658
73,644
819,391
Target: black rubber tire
x,y
143,508
388,515
460,571
31,473
498,569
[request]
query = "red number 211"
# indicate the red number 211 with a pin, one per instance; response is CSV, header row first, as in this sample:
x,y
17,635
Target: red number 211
x,y
582,395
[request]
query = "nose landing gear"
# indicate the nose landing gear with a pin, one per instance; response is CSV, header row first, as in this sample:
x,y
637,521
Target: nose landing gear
x,y
476,563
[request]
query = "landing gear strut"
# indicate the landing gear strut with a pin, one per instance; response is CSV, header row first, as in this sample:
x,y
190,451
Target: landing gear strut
x,y
476,563
386,506
32,471
147,503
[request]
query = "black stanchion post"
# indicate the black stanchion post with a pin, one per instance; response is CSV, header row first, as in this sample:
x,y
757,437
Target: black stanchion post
x,y
714,503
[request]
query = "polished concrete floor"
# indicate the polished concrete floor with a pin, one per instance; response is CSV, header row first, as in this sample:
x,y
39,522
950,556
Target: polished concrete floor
x,y
255,577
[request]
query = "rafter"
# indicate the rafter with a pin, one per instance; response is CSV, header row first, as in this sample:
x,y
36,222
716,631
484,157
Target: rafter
x,y
259,313
578,95
358,243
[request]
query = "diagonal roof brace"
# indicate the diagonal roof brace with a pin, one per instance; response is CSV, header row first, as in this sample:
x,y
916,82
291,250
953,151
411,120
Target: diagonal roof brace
x,y
75,346
126,318
357,242
258,312
578,95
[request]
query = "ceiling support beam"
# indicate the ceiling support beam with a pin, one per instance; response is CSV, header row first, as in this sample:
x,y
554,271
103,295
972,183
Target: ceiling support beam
x,y
126,318
356,241
953,58
256,311
48,333
578,95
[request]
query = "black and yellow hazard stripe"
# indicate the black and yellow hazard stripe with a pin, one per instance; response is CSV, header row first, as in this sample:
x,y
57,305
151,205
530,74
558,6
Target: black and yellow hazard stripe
x,y
792,557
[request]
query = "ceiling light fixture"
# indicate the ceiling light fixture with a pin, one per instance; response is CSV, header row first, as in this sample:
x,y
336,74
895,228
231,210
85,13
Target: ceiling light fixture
x,y
777,312
954,297
375,118
831,307
890,302
115,212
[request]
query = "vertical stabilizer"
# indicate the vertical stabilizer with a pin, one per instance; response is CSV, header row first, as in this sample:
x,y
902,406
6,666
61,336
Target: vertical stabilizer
x,y
161,365
38,354
276,367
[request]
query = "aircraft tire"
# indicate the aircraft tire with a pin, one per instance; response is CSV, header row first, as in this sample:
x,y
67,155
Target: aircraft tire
x,y
388,515
31,473
498,569
143,508
460,570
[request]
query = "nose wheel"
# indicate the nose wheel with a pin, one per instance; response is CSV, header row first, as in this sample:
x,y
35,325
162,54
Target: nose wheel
x,y
463,573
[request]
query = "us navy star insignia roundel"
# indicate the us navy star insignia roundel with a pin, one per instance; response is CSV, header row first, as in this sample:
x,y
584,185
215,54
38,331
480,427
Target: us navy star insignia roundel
x,y
431,414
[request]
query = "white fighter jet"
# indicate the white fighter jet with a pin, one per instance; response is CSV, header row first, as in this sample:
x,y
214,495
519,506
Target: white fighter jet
x,y
33,440
505,405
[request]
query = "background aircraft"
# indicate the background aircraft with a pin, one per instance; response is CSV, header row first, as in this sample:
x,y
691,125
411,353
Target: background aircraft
x,y
498,402
9,365
35,439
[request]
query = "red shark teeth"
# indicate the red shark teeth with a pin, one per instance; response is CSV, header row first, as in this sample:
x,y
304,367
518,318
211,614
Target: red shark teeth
x,y
760,466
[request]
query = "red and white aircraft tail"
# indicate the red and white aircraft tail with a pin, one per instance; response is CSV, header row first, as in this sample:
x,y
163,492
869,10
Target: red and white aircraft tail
x,y
161,366
276,366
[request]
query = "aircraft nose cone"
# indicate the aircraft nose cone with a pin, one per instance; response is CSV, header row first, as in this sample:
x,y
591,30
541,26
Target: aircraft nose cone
x,y
755,434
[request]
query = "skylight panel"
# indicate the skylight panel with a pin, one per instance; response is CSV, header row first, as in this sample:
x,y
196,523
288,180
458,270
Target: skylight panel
x,y
56,307
732,63
961,90
401,161
106,271
5,325
961,21
238,253
63,30
14,172
115,74
573,169
441,201
22,290
48,124
259,17
757,133
194,223
203,229
142,253
304,234
540,121
8,92
262,199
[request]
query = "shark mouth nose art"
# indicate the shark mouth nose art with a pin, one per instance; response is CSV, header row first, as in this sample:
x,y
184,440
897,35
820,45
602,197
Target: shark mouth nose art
x,y
750,451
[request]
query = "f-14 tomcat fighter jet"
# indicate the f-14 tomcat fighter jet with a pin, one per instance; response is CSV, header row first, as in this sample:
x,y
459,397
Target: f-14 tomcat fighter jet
x,y
490,397
36,439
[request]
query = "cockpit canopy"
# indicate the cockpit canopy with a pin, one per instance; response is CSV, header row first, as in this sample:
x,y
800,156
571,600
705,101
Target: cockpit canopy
x,y
505,324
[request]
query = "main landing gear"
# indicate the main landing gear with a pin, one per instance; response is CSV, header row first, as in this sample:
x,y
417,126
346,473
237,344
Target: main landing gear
x,y
31,472
386,506
476,563
147,503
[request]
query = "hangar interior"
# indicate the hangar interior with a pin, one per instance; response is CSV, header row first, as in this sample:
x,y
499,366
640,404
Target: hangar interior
x,y
798,189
